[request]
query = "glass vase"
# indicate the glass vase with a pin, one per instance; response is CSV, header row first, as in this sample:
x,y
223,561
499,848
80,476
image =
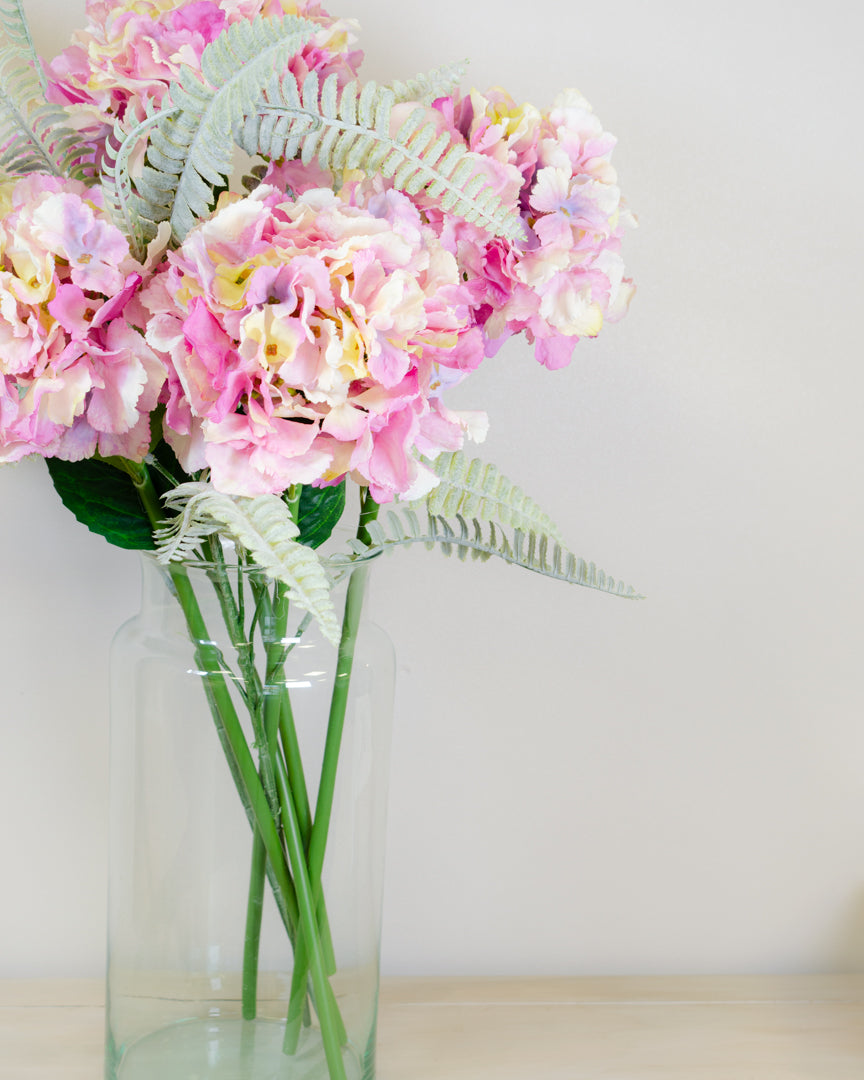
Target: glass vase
x,y
249,761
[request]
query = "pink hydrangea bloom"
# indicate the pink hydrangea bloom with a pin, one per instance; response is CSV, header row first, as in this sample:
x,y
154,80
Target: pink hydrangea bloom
x,y
76,376
132,50
305,340
565,277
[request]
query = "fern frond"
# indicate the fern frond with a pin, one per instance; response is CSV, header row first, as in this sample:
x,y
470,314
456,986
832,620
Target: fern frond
x,y
471,489
531,550
35,136
127,209
434,84
190,151
264,527
351,130
15,31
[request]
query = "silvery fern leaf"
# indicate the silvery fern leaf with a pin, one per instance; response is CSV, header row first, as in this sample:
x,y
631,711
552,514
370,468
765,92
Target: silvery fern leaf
x,y
471,489
34,136
264,527
128,211
191,151
350,129
15,32
534,551
424,89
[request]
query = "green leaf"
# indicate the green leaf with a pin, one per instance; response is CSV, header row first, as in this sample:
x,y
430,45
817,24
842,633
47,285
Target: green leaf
x,y
166,462
104,499
320,511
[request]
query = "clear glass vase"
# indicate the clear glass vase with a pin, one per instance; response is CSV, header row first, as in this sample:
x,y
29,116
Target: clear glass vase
x,y
249,762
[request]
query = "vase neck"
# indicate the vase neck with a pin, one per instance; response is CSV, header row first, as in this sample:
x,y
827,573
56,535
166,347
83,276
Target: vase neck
x,y
252,594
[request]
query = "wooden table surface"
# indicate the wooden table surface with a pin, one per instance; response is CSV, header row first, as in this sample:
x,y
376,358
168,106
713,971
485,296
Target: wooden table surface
x,y
681,1028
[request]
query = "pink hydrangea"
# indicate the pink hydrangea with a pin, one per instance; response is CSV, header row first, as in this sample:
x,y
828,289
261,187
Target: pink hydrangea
x,y
131,51
306,340
76,375
565,277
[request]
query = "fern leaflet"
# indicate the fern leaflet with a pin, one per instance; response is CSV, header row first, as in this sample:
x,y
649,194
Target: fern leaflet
x,y
16,31
470,488
128,211
434,84
189,154
264,527
351,130
534,551
34,137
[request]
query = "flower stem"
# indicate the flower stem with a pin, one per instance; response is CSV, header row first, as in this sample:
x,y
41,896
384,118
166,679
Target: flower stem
x,y
257,700
229,729
295,879
296,776
252,935
327,785
278,720
279,716
328,1011
339,702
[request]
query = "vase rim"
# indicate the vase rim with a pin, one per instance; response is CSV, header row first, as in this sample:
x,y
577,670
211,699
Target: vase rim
x,y
335,562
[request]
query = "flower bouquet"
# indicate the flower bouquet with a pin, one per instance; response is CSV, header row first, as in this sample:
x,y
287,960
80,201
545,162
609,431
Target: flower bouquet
x,y
224,373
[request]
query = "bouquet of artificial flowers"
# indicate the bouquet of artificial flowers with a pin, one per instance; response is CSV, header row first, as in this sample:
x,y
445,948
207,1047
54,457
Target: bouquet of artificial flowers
x,y
207,365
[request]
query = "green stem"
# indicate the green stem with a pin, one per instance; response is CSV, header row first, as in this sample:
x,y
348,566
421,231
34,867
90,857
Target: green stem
x,y
265,737
278,716
252,935
147,493
327,785
274,621
328,1011
297,907
252,940
237,749
233,617
229,729
296,776
339,701
278,719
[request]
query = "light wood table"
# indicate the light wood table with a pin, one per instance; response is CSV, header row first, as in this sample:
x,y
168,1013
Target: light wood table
x,y
729,1028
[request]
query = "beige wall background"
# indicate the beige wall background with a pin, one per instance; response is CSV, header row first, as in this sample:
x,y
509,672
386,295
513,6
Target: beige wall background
x,y
581,784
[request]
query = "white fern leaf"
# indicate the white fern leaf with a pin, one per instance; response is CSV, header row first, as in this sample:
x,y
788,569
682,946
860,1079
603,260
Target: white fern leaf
x,y
471,488
15,31
434,84
191,149
264,527
354,133
128,211
34,136
535,551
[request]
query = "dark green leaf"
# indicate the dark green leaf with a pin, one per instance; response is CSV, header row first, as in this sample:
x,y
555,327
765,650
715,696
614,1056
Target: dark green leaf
x,y
320,510
104,499
165,456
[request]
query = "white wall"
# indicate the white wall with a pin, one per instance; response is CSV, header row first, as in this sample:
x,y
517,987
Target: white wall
x,y
581,784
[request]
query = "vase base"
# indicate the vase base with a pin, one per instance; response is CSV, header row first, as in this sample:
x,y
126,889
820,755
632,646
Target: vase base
x,y
220,1049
